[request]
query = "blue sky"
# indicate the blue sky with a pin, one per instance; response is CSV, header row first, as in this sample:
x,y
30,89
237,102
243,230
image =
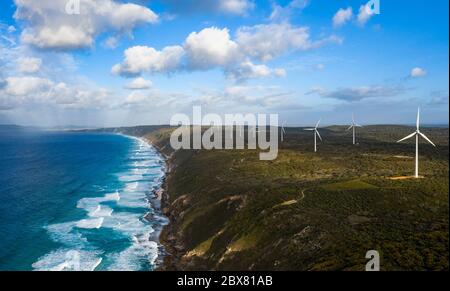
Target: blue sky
x,y
139,62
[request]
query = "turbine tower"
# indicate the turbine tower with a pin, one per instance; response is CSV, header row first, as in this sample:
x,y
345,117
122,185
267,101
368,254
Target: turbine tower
x,y
283,131
416,134
353,126
316,134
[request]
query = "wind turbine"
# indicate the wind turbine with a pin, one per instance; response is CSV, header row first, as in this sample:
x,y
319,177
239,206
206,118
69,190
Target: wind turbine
x,y
316,134
416,134
353,126
283,131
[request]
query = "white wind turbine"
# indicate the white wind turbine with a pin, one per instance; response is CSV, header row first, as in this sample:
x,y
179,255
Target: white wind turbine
x,y
316,134
416,134
283,131
353,126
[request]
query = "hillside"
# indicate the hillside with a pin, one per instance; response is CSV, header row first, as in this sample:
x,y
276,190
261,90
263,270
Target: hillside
x,y
303,211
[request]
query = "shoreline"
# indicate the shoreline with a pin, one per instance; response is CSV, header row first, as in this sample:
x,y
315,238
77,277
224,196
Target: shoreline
x,y
169,253
157,202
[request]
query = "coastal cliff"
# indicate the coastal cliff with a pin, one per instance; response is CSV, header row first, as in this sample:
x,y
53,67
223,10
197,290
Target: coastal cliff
x,y
305,211
230,211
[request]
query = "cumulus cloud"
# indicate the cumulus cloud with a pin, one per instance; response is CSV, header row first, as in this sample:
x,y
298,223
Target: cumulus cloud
x,y
342,16
358,93
238,7
29,65
139,84
267,41
48,26
27,91
210,47
418,72
215,48
139,59
21,86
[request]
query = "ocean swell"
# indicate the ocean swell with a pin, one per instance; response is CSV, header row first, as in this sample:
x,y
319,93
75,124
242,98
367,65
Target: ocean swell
x,y
113,231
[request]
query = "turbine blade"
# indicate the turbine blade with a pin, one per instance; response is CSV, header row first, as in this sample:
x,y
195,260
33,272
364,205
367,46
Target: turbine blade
x,y
409,136
425,137
351,126
309,129
318,122
358,125
418,118
318,134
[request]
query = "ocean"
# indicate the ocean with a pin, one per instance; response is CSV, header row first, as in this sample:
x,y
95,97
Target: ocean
x,y
79,201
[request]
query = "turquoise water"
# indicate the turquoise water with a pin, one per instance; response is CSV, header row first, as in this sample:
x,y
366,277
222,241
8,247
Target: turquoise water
x,y
77,201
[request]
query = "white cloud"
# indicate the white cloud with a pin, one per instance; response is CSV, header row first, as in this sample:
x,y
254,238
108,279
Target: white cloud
x,y
139,84
136,97
282,13
261,96
248,70
22,86
28,91
214,48
267,41
11,29
238,7
280,72
48,26
143,100
111,42
418,72
29,65
210,47
139,59
342,16
364,14
352,94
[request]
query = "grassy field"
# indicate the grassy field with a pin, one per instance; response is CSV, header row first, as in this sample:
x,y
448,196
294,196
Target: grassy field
x,y
309,211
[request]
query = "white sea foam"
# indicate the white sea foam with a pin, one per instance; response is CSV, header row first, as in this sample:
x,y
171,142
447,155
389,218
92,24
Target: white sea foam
x,y
133,257
131,186
64,234
113,196
69,260
101,211
130,178
144,173
92,204
94,223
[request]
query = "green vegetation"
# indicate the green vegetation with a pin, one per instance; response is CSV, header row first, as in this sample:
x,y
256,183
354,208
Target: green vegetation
x,y
306,211
349,185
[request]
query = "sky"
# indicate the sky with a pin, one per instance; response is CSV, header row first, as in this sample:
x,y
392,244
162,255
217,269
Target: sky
x,y
122,63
